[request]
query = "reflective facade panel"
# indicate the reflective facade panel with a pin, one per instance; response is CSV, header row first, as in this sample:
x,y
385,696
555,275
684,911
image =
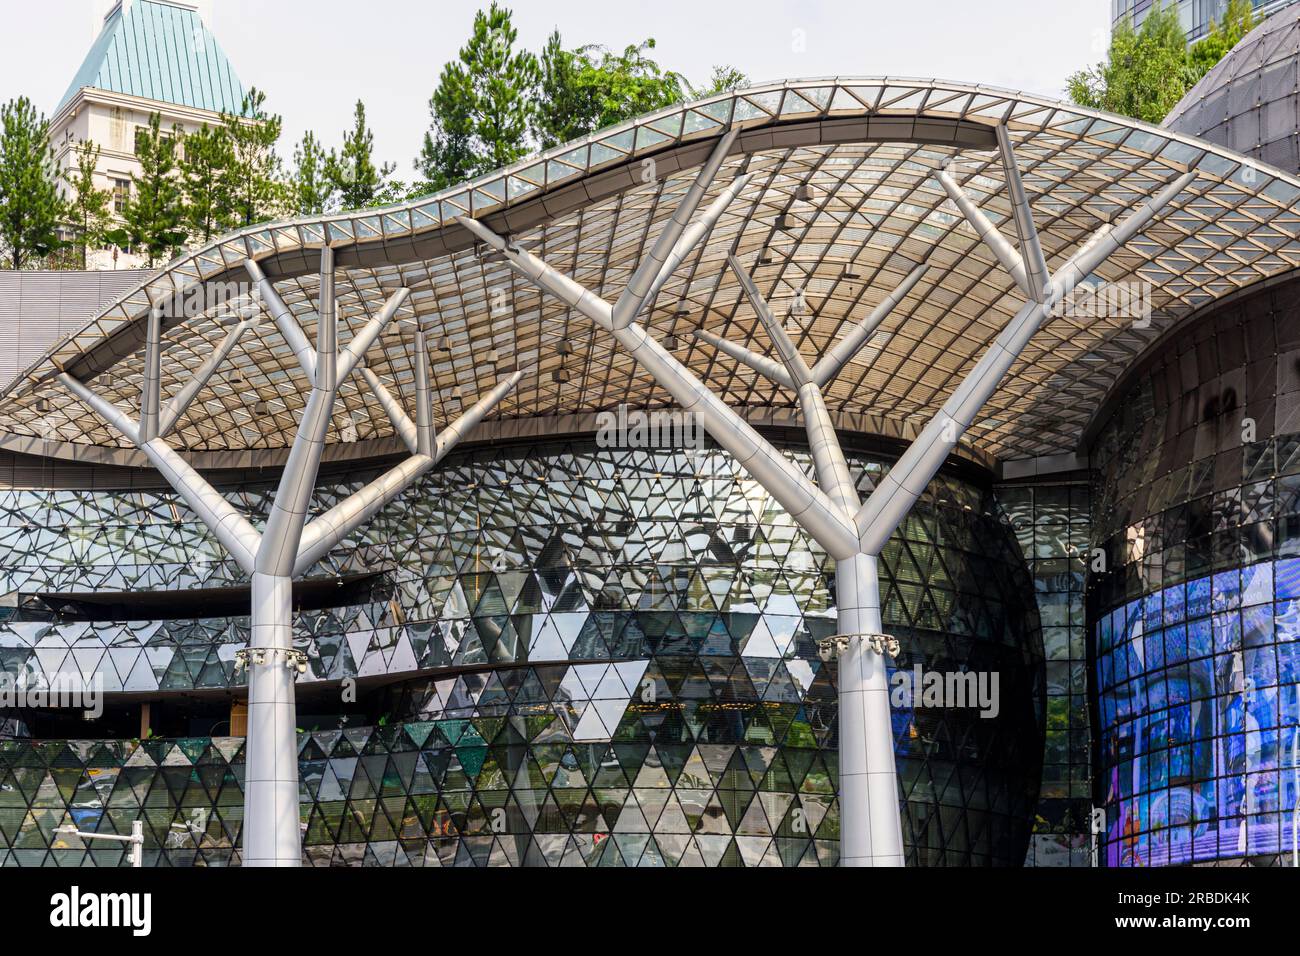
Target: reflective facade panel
x,y
1195,625
619,667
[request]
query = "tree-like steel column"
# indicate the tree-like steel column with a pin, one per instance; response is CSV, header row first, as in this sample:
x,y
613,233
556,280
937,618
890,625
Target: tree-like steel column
x,y
851,531
289,544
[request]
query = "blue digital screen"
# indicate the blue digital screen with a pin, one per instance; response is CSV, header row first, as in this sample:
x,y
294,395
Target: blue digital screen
x,y
1199,693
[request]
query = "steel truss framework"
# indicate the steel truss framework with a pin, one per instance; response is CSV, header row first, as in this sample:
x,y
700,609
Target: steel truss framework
x,y
872,150
843,202
829,509
289,544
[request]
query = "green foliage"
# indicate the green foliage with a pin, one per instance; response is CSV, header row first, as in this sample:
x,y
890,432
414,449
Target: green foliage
x,y
309,190
155,213
88,214
589,88
256,189
30,206
352,174
205,166
1148,70
1236,22
483,106
723,79
495,104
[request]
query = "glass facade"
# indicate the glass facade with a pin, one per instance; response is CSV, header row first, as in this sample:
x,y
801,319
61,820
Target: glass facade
x,y
1196,617
1195,15
1051,521
619,667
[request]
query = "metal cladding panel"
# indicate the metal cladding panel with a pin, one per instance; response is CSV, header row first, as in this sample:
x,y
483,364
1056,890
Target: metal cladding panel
x,y
39,308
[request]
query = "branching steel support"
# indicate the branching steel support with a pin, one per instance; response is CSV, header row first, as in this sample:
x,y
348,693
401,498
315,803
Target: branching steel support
x,y
289,544
831,510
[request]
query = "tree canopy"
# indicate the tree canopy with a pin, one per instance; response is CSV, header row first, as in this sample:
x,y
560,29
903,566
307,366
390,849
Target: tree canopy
x,y
496,103
87,208
1148,69
483,107
30,206
155,212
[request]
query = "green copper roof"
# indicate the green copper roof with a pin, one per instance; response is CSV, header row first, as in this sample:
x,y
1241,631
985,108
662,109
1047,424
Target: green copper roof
x,y
160,52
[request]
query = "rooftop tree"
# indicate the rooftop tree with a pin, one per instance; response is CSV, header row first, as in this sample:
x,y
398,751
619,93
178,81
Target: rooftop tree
x,y
589,88
309,188
352,173
205,167
256,190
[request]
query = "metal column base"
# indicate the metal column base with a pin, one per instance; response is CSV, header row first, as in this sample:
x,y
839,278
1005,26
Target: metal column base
x,y
272,834
871,825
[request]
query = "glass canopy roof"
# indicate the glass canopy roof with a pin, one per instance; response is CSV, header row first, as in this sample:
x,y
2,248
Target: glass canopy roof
x,y
842,204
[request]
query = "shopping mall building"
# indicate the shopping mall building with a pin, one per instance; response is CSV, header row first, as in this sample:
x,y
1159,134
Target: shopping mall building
x,y
358,524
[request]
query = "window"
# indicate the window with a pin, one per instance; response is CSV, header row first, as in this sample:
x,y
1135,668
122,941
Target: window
x,y
121,193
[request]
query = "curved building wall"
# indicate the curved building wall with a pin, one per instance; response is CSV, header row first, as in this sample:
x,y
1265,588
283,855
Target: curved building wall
x,y
1196,622
1250,101
620,667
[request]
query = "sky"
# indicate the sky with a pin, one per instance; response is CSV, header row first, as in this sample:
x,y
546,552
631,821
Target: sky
x,y
315,58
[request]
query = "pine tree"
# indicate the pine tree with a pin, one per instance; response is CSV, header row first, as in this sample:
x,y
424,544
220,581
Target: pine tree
x,y
155,212
589,88
483,106
205,166
30,206
88,212
256,190
310,191
352,173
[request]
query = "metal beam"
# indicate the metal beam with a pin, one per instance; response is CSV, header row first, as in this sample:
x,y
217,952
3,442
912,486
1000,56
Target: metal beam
x,y
759,363
629,304
284,320
423,397
794,363
989,233
327,530
231,528
885,509
402,424
694,234
783,480
181,401
360,343
327,326
284,525
825,371
149,392
1031,251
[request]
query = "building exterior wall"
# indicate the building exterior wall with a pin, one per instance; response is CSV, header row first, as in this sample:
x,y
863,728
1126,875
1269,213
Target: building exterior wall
x,y
1195,624
1250,101
1050,516
1195,15
624,670
38,309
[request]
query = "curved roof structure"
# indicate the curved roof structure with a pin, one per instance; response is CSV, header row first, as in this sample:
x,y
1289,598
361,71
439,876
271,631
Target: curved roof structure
x,y
842,204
